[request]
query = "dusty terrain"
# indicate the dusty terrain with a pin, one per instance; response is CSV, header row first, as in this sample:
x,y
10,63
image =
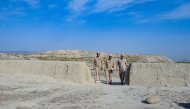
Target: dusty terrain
x,y
46,93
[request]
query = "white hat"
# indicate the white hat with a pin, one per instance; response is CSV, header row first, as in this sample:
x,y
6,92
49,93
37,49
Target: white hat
x,y
110,55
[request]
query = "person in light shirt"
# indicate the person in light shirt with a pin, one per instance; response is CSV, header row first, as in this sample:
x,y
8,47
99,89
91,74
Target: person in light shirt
x,y
109,69
98,66
122,63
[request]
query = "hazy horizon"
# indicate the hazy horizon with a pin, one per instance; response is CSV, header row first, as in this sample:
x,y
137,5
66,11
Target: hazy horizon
x,y
156,27
29,52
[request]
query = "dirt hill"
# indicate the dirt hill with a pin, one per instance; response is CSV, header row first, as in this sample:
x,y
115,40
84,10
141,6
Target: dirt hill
x,y
82,55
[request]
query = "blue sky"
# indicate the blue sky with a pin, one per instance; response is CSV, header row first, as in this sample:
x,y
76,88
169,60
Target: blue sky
x,y
160,27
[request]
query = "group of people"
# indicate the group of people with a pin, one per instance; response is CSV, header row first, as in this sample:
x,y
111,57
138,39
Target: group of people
x,y
109,67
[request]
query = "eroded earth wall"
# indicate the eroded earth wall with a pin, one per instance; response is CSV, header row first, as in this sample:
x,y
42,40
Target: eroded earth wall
x,y
160,74
73,71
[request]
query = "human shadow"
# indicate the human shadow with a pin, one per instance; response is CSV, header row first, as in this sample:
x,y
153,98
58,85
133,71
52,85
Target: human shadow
x,y
116,83
184,105
113,83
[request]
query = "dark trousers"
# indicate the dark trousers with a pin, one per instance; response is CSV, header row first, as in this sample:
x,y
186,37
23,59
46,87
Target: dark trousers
x,y
122,76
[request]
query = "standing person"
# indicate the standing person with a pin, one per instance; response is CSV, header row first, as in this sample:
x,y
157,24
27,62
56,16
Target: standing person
x,y
98,66
109,69
122,63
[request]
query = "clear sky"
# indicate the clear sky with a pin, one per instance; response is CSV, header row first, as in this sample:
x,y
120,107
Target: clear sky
x,y
160,27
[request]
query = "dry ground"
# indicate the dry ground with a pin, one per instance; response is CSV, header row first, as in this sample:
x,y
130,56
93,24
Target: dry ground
x,y
30,92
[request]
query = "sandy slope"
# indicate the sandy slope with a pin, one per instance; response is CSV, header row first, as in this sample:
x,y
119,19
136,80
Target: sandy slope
x,y
46,93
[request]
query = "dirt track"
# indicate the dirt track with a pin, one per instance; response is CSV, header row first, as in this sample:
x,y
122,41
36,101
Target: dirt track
x,y
45,93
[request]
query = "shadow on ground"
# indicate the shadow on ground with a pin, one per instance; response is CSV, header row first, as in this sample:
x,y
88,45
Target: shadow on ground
x,y
114,83
184,105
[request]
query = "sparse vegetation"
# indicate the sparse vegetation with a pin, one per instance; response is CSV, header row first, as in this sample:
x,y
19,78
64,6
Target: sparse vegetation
x,y
183,62
83,56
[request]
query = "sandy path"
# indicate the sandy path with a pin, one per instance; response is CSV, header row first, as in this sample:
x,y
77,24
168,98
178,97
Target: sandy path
x,y
45,93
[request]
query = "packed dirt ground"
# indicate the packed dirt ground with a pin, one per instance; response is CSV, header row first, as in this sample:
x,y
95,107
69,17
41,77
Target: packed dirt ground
x,y
41,92
34,92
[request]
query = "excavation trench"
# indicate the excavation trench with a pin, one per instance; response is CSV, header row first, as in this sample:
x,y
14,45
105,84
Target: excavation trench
x,y
73,71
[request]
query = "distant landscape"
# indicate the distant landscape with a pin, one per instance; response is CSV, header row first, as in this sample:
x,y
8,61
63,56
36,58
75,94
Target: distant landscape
x,y
69,55
81,56
65,79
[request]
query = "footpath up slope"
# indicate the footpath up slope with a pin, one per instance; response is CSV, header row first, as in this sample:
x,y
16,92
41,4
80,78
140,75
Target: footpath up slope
x,y
73,71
